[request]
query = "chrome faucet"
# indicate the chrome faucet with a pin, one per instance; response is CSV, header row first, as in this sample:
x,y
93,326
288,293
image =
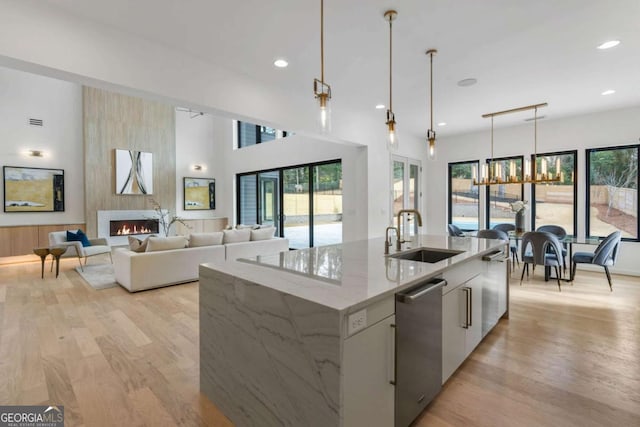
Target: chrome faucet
x,y
399,242
387,241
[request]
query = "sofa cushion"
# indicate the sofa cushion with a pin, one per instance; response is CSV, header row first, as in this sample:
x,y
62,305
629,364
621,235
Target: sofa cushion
x,y
263,233
249,226
205,239
166,243
236,236
137,245
78,236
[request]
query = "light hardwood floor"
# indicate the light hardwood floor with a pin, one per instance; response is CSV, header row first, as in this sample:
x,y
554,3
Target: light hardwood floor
x,y
119,359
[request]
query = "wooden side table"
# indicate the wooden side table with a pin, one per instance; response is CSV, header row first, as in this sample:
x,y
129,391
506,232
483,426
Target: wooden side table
x,y
56,252
42,253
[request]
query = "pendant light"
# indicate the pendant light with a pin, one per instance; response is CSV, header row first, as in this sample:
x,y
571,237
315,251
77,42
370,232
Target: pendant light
x,y
321,89
431,134
492,172
392,136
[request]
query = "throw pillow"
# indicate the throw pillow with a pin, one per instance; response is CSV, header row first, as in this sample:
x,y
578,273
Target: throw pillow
x,y
205,239
265,233
137,245
236,236
155,244
78,236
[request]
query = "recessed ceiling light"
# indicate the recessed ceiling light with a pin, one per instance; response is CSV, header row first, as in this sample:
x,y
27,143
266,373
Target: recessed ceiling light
x,y
609,44
609,92
379,106
280,63
467,82
442,124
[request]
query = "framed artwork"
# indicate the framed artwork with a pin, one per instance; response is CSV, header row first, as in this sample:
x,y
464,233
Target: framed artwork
x,y
134,172
33,189
199,194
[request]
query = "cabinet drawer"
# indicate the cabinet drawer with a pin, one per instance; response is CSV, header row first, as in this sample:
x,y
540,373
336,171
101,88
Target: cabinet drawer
x,y
461,273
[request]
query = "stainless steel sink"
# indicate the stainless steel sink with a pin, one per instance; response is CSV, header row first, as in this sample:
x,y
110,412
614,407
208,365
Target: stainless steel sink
x,y
426,255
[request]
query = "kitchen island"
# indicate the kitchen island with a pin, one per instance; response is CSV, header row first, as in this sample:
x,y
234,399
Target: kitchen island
x,y
308,337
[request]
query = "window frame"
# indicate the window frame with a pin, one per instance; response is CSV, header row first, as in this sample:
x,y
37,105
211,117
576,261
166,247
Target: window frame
x,y
588,151
258,129
280,218
450,184
575,187
487,200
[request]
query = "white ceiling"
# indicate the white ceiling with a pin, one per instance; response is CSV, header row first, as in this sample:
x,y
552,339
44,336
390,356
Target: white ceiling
x,y
522,52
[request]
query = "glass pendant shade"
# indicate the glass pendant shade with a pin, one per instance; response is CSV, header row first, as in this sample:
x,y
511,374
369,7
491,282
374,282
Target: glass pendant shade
x,y
324,114
392,136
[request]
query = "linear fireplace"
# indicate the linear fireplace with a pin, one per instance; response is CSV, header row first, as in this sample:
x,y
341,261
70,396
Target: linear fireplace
x,y
135,222
130,227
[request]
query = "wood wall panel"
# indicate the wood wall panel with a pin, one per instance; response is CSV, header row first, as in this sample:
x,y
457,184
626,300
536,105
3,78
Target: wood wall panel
x,y
200,226
115,121
21,240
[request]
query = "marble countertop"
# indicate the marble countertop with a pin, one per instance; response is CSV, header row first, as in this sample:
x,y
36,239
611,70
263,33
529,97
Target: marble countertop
x,y
351,274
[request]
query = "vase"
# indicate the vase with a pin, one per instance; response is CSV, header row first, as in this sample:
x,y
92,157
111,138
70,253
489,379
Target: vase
x,y
520,221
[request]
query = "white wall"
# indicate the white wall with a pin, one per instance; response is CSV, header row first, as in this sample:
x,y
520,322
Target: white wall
x,y
35,36
609,128
201,140
59,105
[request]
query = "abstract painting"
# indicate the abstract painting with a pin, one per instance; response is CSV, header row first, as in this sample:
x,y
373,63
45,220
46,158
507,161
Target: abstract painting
x,y
134,172
199,194
33,189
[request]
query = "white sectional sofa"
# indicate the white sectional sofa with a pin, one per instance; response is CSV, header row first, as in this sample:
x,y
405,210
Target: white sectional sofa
x,y
137,271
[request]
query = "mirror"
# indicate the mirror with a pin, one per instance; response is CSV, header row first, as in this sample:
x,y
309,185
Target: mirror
x,y
199,194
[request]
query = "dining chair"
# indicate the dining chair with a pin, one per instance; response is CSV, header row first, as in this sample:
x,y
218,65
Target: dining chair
x,y
513,246
605,255
493,234
541,248
561,233
455,231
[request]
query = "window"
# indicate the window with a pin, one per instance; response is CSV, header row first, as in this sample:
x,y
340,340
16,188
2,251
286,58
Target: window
x,y
500,196
250,134
554,203
405,191
303,202
464,204
612,191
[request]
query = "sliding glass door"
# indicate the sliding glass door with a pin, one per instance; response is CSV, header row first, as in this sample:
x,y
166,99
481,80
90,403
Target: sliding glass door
x,y
304,202
296,219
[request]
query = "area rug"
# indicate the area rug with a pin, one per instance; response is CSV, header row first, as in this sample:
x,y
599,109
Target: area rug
x,y
98,276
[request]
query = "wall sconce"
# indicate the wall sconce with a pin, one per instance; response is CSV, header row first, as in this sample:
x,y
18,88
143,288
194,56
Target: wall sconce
x,y
198,167
35,153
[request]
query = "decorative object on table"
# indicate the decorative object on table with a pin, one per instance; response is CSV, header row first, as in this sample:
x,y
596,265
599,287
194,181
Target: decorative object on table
x,y
199,193
134,172
33,189
519,207
165,219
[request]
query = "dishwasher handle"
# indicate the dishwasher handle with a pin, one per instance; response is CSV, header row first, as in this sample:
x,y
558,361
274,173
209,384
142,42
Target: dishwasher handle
x,y
416,293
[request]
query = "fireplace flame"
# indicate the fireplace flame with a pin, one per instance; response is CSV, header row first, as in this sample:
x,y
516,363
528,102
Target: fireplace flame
x,y
126,230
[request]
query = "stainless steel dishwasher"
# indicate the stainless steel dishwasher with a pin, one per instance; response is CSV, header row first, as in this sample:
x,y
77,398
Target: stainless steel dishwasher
x,y
419,349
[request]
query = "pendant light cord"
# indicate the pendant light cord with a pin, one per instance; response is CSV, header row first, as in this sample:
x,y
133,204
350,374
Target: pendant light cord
x,y
431,89
322,42
390,59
